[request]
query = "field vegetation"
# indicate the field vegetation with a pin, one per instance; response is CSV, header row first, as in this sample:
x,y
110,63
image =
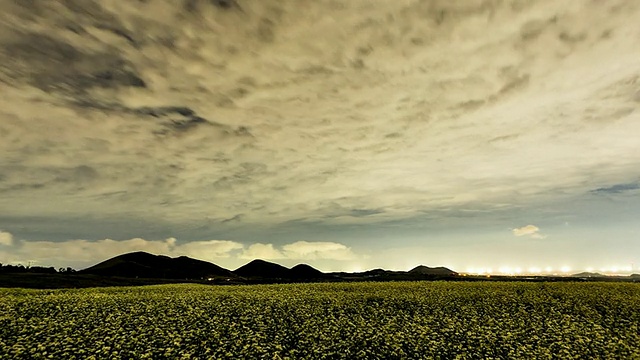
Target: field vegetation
x,y
403,320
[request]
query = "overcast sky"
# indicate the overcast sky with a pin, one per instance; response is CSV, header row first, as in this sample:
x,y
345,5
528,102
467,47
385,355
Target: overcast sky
x,y
348,135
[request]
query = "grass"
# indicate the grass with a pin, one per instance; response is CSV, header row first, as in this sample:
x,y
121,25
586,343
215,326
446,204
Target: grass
x,y
397,320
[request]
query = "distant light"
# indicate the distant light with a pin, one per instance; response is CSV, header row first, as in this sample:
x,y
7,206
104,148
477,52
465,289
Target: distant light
x,y
614,269
534,270
548,269
589,269
565,269
517,270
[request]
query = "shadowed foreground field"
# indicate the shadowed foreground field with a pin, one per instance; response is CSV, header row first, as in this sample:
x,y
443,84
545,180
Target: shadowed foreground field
x,y
325,321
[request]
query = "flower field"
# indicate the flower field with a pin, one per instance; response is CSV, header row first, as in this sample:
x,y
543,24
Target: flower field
x,y
409,320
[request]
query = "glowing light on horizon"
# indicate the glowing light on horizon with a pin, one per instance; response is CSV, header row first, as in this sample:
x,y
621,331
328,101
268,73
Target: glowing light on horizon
x,y
616,269
549,270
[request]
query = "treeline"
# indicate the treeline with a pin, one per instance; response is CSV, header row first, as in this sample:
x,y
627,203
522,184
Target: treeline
x,y
13,269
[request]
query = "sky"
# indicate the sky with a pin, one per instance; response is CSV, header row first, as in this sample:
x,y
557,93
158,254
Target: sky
x,y
499,136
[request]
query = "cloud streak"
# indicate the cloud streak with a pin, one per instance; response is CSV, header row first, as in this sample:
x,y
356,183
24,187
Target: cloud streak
x,y
617,189
300,250
262,251
305,250
87,252
6,238
219,135
164,119
529,230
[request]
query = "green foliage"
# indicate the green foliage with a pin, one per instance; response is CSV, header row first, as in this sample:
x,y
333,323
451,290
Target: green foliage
x,y
439,320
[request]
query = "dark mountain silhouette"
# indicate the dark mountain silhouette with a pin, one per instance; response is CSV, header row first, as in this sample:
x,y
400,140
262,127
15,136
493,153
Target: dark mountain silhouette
x,y
376,272
418,273
425,270
305,272
144,265
588,274
141,268
263,269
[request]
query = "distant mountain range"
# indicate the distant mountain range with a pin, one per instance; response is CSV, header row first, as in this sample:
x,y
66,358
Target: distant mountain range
x,y
588,274
144,265
141,268
425,270
268,270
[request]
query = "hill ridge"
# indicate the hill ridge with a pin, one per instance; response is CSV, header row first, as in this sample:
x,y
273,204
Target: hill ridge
x,y
144,264
141,264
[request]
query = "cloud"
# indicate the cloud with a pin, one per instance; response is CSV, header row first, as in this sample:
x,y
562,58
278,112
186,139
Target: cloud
x,y
6,238
210,249
525,230
529,230
226,140
89,252
190,146
318,250
365,212
300,250
262,251
617,189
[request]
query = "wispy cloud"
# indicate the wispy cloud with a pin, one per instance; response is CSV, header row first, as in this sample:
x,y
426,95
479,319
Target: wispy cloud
x,y
170,141
373,133
208,249
262,251
6,238
318,250
300,250
86,252
617,189
529,230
